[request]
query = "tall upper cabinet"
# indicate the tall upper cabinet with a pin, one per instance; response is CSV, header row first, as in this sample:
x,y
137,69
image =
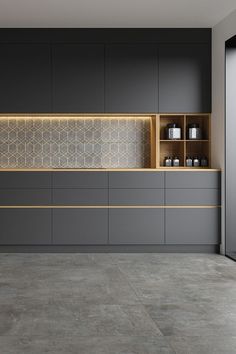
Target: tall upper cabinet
x,y
25,78
131,78
78,78
184,78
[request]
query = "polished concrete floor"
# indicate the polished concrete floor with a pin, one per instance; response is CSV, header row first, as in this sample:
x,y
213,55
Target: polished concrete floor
x,y
117,304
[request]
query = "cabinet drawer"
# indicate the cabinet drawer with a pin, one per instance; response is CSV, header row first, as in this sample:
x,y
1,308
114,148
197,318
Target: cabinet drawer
x,y
25,197
80,179
136,179
136,226
193,226
192,179
25,180
80,226
192,197
136,196
80,196
25,226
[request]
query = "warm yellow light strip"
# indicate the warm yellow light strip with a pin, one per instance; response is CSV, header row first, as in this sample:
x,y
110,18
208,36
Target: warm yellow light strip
x,y
73,116
109,206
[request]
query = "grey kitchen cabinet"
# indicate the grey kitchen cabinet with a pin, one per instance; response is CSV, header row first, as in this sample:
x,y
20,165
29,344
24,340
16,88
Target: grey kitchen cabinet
x,y
25,71
193,226
25,226
136,196
185,78
131,78
80,196
78,78
34,197
192,179
80,226
84,179
136,226
204,197
137,179
25,180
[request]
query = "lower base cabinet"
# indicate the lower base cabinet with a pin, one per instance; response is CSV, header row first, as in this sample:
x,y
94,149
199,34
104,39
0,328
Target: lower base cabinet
x,y
193,226
80,226
136,226
25,226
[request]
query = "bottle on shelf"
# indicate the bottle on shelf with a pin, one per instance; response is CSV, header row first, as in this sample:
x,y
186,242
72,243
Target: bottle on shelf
x,y
176,161
189,161
173,132
194,132
168,161
204,161
196,161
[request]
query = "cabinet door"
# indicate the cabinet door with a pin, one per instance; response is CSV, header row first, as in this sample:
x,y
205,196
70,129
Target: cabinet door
x,y
25,226
136,226
193,226
131,79
185,78
78,78
80,226
136,179
25,74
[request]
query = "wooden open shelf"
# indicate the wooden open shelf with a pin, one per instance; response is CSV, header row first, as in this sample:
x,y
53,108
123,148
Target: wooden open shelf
x,y
162,147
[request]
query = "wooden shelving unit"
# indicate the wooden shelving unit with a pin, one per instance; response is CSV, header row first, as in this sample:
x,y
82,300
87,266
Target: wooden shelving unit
x,y
162,147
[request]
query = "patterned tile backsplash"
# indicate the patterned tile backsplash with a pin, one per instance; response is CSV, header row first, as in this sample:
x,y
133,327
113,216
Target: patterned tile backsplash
x,y
74,142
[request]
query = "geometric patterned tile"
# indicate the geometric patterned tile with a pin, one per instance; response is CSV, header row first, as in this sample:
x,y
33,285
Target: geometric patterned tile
x,y
74,142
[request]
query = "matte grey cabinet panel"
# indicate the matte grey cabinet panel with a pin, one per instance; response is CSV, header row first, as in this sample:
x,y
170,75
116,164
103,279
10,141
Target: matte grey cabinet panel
x,y
25,226
80,179
25,180
136,226
136,180
80,196
136,197
192,226
78,78
192,179
193,197
131,79
80,226
25,197
25,85
185,78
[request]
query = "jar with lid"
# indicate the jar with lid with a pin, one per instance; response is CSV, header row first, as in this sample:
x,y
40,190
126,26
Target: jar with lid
x,y
196,162
204,161
168,161
189,161
194,132
173,132
176,161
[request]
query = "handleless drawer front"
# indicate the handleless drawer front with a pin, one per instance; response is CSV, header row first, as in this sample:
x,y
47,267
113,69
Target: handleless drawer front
x,y
80,196
193,179
80,226
136,226
199,197
25,227
136,179
25,180
25,197
192,226
134,196
80,179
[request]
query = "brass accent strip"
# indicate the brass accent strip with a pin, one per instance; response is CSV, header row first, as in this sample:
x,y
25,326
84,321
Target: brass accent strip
x,y
109,206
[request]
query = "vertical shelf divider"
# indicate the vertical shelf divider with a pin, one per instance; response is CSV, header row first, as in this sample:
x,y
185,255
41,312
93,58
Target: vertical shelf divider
x,y
184,138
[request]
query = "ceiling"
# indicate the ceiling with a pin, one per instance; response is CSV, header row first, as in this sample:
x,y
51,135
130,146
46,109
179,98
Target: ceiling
x,y
114,13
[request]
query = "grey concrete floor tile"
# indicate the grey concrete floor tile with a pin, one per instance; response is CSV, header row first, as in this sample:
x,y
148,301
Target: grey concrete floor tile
x,y
91,284
203,345
188,319
86,345
70,318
